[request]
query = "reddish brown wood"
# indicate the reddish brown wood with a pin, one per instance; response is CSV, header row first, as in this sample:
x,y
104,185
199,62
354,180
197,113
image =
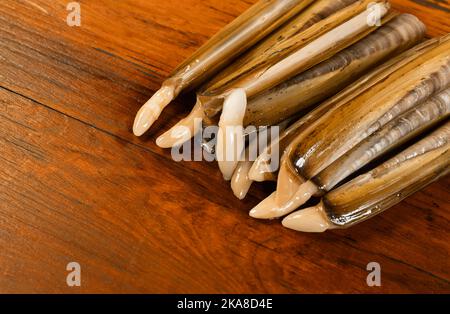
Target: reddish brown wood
x,y
75,185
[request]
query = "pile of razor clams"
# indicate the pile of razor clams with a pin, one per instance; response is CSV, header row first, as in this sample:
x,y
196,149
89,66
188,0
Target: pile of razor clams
x,y
359,97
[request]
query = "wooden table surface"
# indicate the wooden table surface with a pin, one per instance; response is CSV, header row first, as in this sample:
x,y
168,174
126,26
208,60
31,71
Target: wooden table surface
x,y
77,186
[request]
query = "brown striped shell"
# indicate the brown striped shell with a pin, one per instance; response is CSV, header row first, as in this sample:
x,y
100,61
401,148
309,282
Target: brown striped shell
x,y
373,192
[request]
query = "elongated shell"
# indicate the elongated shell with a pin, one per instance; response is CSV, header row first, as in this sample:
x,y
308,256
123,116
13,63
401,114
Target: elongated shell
x,y
402,129
330,76
371,193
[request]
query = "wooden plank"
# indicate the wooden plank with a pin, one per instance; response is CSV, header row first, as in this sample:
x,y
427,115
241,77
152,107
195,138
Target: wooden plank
x,y
67,101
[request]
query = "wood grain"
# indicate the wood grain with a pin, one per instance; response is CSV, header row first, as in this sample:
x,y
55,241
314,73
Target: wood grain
x,y
75,185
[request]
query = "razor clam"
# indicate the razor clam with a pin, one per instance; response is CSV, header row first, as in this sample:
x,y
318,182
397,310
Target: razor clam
x,y
328,138
246,30
400,130
278,63
261,169
378,190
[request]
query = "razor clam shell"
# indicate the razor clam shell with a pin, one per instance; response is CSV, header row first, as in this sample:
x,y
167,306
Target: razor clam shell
x,y
395,133
250,76
378,190
330,137
330,76
250,27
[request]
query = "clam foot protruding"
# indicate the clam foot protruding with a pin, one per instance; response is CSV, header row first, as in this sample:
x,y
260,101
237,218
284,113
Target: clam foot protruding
x,y
230,138
184,130
311,219
152,109
270,208
240,183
